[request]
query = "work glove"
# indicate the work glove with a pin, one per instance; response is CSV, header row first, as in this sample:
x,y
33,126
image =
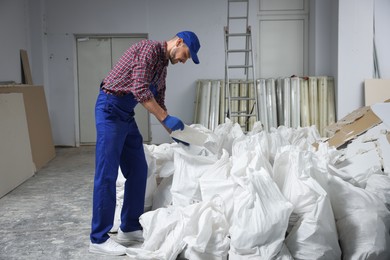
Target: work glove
x,y
173,123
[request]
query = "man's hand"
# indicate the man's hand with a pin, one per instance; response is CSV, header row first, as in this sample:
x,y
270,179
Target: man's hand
x,y
173,123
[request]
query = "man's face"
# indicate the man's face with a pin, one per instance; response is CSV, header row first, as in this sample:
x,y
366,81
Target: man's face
x,y
179,53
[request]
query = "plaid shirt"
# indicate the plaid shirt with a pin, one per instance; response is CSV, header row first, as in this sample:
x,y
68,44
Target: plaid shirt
x,y
142,65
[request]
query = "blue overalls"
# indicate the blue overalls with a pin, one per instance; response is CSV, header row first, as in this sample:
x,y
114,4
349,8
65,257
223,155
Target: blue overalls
x,y
118,143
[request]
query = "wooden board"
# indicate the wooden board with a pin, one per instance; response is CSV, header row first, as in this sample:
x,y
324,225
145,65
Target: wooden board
x,y
376,91
39,127
15,152
26,68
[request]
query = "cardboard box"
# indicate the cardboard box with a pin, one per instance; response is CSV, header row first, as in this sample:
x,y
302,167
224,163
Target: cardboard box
x,y
39,128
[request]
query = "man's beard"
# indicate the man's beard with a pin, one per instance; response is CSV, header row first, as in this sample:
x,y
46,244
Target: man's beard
x,y
172,56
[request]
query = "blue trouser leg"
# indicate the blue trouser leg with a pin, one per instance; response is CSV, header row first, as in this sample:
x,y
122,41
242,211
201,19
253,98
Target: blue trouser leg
x,y
134,168
118,143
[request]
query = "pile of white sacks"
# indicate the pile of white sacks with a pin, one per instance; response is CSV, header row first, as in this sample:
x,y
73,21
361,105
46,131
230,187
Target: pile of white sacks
x,y
259,195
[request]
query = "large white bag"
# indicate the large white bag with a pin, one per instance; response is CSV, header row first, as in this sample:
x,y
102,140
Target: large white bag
x,y
163,233
379,185
189,168
163,159
162,196
261,212
313,233
363,221
202,227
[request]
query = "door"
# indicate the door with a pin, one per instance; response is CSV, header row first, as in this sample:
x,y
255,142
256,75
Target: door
x,y
283,38
95,57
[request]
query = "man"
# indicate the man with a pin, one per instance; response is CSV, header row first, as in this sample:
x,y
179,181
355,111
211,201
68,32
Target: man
x,y
138,77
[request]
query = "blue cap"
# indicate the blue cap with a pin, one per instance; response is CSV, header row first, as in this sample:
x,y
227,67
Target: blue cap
x,y
192,41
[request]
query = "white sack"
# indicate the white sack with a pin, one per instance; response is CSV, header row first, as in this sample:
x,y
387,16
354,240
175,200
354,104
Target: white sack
x,y
162,196
120,182
163,234
207,229
363,221
284,254
151,182
163,159
379,185
216,181
261,212
189,168
302,137
224,136
313,234
256,143
221,187
202,227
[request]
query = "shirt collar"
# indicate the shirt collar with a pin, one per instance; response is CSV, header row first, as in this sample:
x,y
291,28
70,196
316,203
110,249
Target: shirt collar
x,y
164,53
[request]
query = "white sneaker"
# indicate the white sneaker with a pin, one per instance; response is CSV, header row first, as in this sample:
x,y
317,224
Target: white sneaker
x,y
109,247
128,238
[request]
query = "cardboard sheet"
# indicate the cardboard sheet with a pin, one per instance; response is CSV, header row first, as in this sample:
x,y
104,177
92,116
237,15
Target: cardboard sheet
x,y
376,91
358,122
16,163
39,127
351,126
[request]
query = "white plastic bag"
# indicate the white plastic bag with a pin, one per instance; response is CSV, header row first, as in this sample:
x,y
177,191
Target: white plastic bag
x,y
163,234
163,159
162,196
189,168
261,213
224,136
379,185
363,221
202,227
207,230
312,232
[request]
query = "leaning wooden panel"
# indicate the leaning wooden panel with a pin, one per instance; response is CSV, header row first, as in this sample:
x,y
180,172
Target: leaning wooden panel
x,y
38,122
16,163
26,67
376,91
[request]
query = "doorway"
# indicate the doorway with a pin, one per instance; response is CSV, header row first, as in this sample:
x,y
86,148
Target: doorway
x,y
96,55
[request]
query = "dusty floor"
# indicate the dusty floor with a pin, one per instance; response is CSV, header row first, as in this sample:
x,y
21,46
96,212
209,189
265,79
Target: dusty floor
x,y
49,215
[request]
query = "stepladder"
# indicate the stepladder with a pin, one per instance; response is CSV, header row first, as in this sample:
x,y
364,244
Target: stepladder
x,y
241,104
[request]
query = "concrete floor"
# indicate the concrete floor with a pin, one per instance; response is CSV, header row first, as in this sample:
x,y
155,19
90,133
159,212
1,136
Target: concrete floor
x,y
49,215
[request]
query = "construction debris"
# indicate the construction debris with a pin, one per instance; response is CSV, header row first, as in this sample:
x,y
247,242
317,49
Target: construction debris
x,y
270,195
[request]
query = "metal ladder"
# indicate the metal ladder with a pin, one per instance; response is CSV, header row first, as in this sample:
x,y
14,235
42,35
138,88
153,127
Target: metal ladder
x,y
238,33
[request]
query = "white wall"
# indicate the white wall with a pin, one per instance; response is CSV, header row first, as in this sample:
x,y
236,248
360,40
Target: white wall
x,y
355,48
161,20
382,36
46,28
323,38
14,36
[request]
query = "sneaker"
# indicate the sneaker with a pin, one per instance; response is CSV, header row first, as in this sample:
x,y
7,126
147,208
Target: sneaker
x,y
128,238
109,247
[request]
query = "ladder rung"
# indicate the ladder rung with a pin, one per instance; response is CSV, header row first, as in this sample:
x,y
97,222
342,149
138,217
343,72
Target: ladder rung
x,y
237,34
239,66
232,1
240,50
237,17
